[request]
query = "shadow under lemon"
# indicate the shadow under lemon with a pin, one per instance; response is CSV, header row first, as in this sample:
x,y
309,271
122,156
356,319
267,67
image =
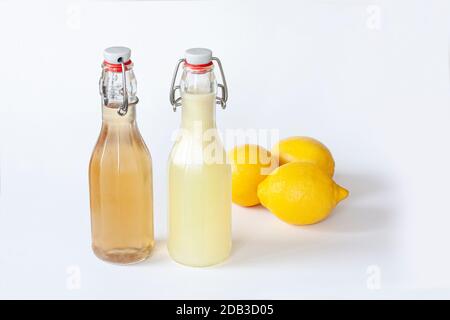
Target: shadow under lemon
x,y
360,224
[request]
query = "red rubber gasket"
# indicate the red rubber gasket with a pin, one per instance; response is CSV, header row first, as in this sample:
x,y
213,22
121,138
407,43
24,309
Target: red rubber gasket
x,y
197,66
116,67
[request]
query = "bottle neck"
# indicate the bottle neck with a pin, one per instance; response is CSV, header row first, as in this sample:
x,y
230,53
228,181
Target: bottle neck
x,y
112,118
112,84
198,97
198,111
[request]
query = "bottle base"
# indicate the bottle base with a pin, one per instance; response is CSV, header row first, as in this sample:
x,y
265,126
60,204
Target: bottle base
x,y
198,263
123,256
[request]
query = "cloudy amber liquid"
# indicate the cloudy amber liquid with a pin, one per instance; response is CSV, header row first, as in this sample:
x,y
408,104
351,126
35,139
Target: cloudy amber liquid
x,y
120,176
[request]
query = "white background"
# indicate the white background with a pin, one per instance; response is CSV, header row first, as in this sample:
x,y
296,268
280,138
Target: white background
x,y
367,78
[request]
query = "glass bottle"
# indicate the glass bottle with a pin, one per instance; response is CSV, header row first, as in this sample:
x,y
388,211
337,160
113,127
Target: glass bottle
x,y
199,175
120,171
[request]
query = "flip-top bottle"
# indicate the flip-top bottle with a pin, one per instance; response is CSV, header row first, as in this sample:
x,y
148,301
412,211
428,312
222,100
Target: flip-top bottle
x,y
199,175
120,171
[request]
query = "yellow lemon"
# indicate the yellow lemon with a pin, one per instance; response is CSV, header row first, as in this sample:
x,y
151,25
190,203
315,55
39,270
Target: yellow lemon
x,y
300,193
305,149
250,165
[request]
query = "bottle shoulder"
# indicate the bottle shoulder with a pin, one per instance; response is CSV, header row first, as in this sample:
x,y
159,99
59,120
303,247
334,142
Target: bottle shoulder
x,y
120,144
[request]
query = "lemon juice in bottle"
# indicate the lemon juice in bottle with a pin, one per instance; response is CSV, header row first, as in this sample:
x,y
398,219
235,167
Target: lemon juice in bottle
x,y
199,175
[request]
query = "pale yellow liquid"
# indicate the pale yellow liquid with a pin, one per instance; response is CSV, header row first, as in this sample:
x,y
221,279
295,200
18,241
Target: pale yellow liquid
x,y
120,176
199,189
